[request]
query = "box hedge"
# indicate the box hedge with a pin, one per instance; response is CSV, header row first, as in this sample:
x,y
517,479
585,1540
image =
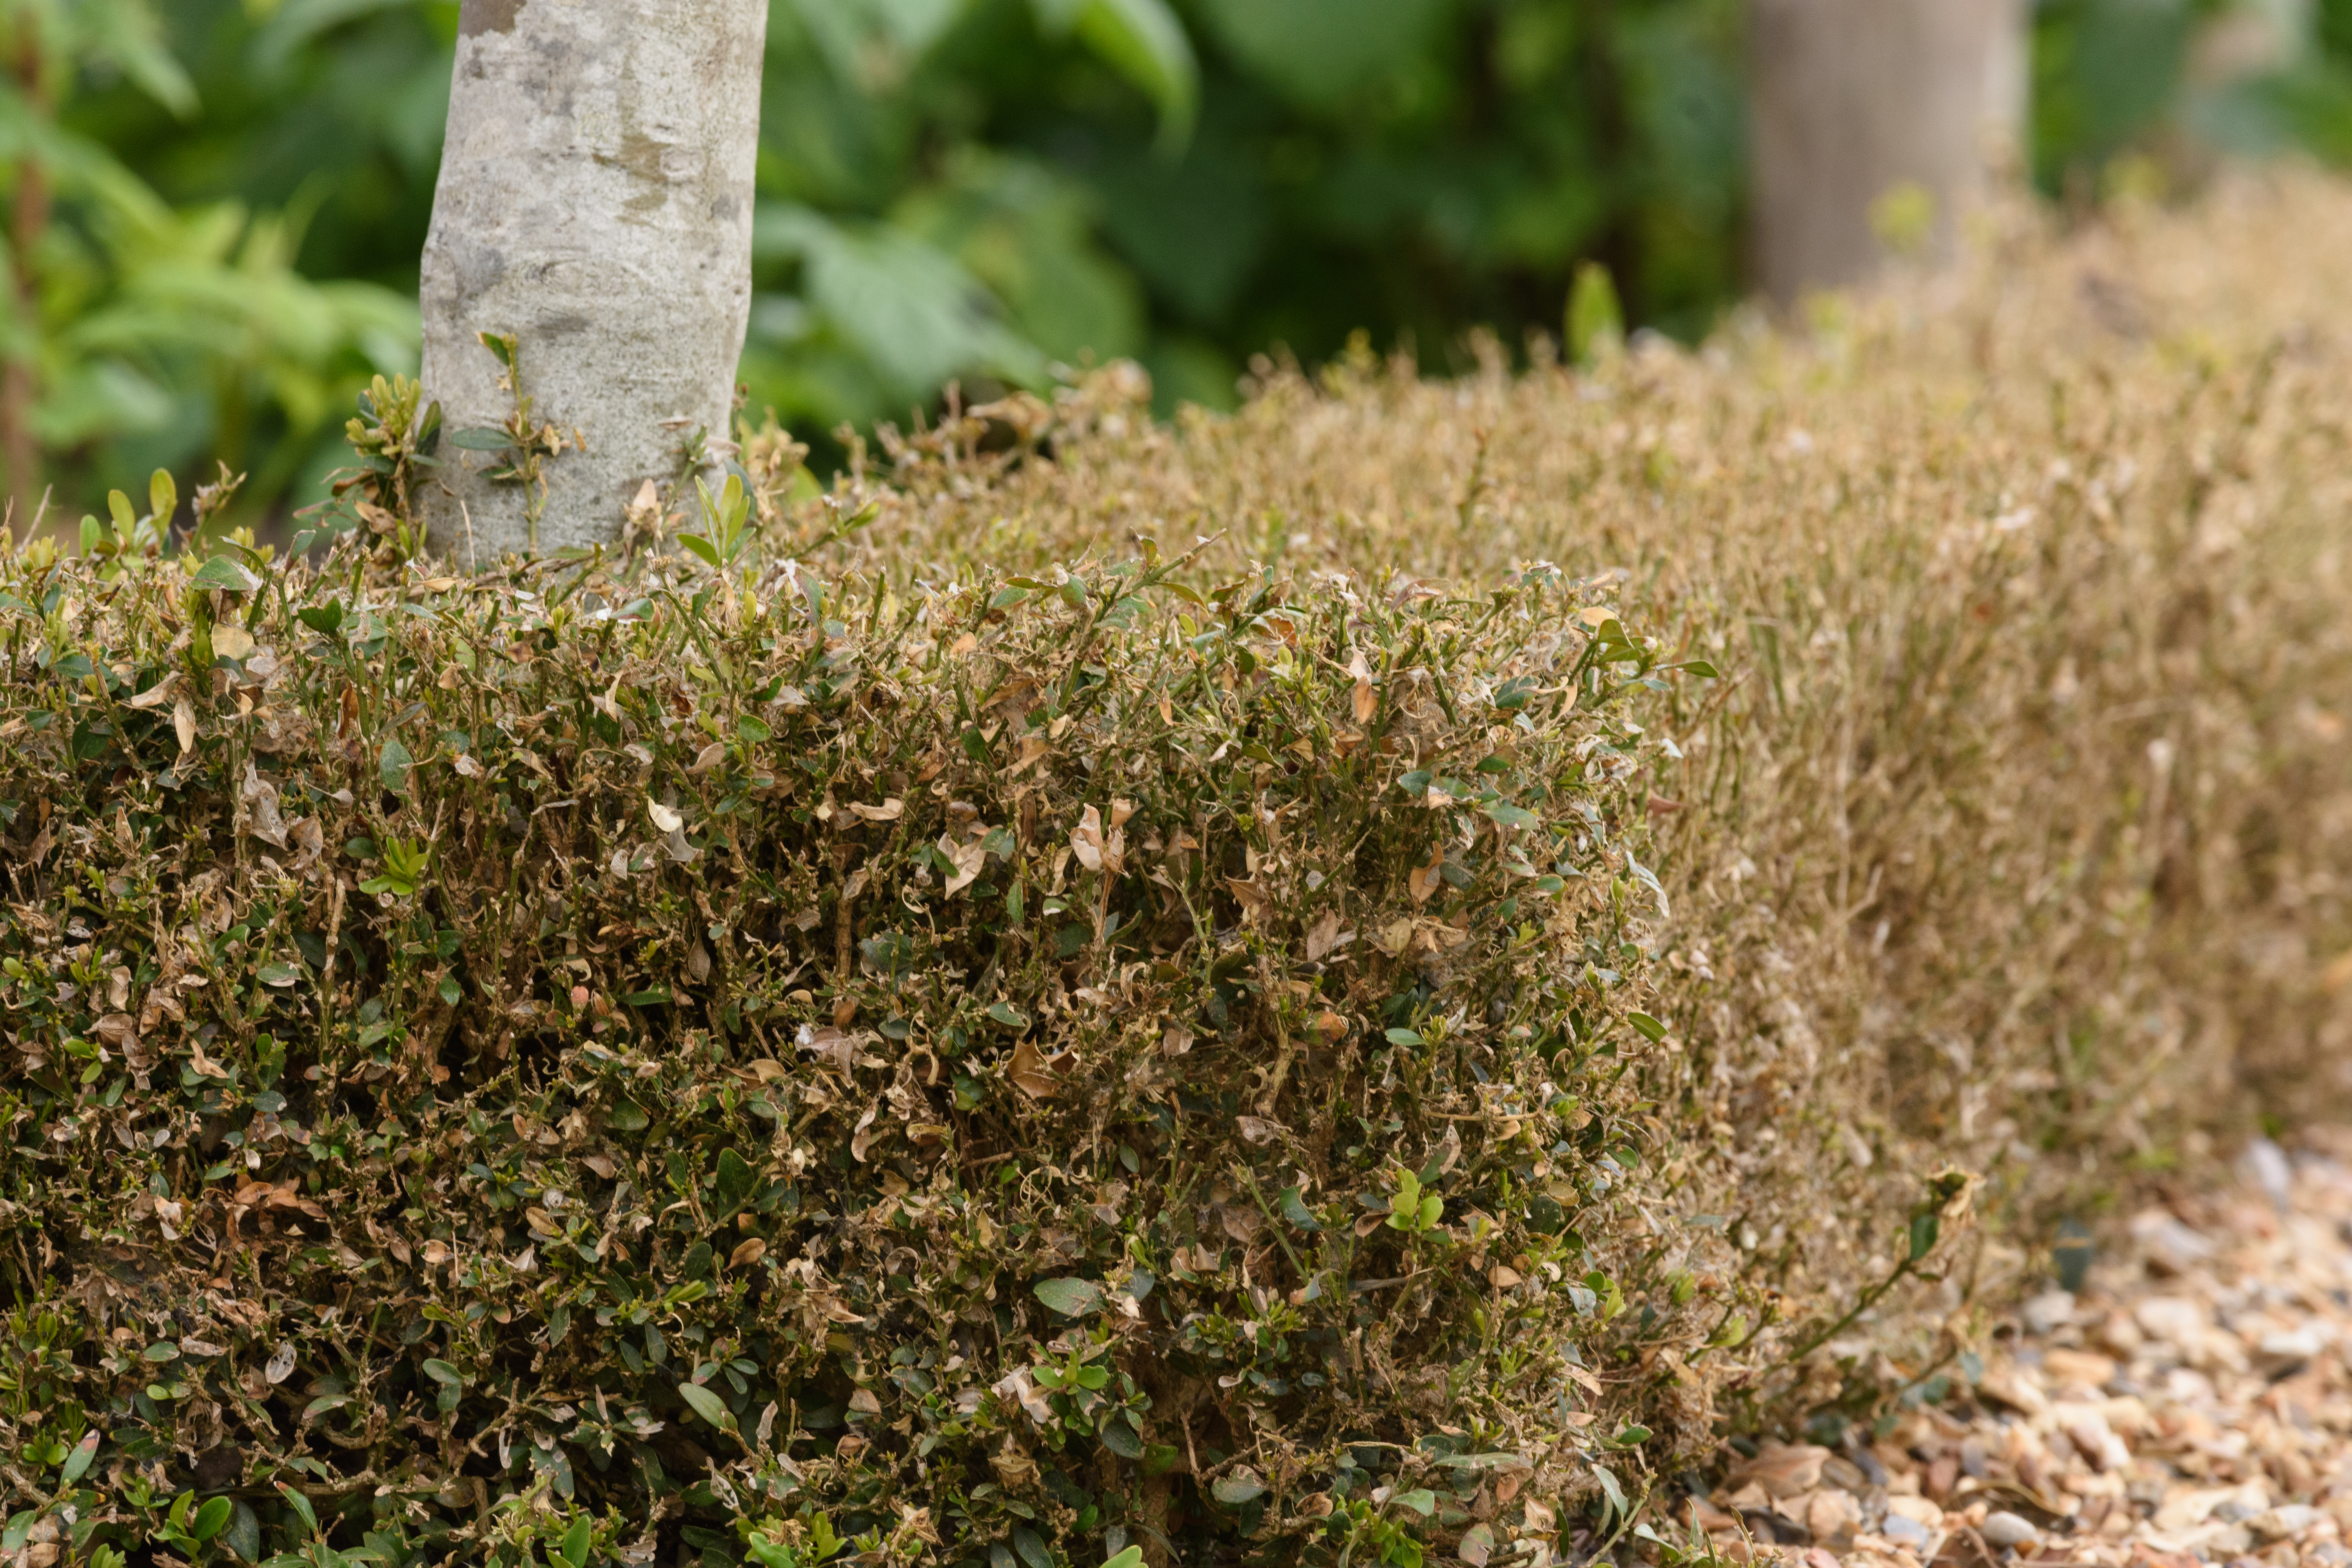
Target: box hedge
x,y
917,1025
745,1060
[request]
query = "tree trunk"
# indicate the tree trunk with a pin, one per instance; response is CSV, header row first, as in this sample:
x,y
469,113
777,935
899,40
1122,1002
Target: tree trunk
x,y
19,379
1854,100
595,202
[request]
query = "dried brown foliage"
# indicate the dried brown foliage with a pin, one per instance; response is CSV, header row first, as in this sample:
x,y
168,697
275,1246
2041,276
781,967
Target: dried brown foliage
x,y
2019,835
897,957
763,1058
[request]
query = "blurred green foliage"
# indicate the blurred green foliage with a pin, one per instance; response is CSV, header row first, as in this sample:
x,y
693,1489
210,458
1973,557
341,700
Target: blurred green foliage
x,y
980,189
2140,93
161,308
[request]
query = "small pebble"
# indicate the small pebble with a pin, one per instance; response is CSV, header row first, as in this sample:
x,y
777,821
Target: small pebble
x,y
2267,1163
2002,1529
1905,1532
2047,1313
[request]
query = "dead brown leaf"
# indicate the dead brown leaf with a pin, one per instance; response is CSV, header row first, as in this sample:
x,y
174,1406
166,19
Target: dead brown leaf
x,y
1028,1072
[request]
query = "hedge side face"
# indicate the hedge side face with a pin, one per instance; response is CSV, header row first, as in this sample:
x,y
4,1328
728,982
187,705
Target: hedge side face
x,y
1016,1069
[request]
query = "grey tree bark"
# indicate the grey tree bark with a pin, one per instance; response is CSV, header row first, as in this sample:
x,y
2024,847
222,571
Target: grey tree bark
x,y
1853,99
595,202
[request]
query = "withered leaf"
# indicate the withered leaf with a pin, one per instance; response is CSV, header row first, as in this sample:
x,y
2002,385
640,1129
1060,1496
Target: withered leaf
x,y
1027,1070
1367,697
1424,880
158,694
1325,937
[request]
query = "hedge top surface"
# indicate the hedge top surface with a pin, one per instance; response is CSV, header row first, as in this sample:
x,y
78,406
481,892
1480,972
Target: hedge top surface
x,y
1034,1065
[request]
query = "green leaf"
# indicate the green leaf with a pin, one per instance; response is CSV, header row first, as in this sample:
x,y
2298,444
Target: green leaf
x,y
770,1553
162,496
1698,667
1513,815
700,546
1031,1548
450,991
1647,1027
1596,321
657,997
1423,1501
1320,52
914,313
213,1517
1612,1487
1118,1435
737,1181
1003,1014
574,1549
1512,696
1924,1230
392,767
1295,1212
1130,1558
1240,1487
1404,1038
226,573
280,975
707,1406
322,618
1631,1436
441,1372
244,1537
78,1463
301,1505
1071,1298
481,439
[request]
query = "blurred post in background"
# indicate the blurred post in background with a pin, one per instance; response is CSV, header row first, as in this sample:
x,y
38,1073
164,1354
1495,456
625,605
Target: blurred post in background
x,y
1877,125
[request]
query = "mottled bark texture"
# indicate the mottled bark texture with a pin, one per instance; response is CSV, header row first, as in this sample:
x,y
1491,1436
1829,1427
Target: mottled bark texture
x,y
1853,99
595,202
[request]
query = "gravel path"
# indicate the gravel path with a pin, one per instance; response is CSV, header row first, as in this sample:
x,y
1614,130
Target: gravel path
x,y
2193,1405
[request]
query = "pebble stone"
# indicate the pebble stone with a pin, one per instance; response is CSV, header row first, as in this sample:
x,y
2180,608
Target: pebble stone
x,y
2190,1404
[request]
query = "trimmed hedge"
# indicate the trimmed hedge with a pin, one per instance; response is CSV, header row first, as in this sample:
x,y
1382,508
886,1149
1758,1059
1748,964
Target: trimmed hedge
x,y
2014,838
733,1061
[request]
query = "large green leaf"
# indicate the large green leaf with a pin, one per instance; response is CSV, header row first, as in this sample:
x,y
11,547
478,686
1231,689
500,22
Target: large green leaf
x,y
707,1406
296,23
912,310
872,43
1319,51
225,572
1144,42
1071,1298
